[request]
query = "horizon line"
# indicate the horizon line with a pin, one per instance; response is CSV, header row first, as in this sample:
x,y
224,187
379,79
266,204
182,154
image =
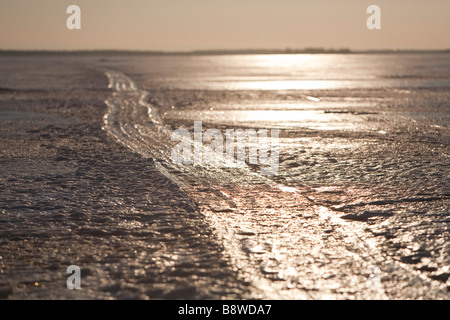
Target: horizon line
x,y
219,51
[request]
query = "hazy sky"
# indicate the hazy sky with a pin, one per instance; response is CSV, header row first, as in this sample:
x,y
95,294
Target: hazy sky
x,y
224,24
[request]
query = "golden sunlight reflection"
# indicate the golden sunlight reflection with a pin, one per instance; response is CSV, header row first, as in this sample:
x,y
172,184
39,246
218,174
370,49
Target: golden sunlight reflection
x,y
286,60
314,119
274,72
286,85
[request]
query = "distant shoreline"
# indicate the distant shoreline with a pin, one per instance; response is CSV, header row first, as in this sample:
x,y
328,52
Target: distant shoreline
x,y
211,52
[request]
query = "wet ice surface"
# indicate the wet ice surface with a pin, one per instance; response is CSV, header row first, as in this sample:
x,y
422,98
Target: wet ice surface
x,y
360,155
70,194
363,179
